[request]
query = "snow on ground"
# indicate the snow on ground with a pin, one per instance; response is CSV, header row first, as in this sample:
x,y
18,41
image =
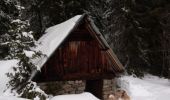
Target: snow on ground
x,y
11,98
82,96
148,88
5,67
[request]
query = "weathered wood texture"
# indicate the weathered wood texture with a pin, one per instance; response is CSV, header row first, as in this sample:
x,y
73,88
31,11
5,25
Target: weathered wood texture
x,y
80,56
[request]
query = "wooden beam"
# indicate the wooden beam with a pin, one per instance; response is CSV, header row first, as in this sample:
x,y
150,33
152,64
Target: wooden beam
x,y
74,76
80,37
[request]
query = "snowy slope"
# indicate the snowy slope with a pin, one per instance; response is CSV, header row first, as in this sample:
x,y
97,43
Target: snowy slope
x,y
82,96
11,98
148,88
5,67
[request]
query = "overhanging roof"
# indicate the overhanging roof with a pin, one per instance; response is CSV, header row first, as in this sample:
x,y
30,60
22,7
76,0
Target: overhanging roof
x,y
55,35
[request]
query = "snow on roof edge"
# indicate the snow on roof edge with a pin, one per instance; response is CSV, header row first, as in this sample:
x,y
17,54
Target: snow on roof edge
x,y
43,59
75,25
105,44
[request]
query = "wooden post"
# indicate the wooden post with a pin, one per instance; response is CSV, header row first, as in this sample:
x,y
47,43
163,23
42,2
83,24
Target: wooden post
x,y
95,87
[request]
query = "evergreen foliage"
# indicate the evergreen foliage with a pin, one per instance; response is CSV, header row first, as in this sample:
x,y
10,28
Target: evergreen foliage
x,y
137,30
141,38
16,40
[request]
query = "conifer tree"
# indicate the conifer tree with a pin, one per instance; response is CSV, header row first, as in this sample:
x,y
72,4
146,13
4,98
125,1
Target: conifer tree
x,y
17,39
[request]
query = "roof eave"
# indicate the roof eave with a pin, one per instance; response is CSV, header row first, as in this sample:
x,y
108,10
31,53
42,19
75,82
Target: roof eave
x,y
119,67
75,26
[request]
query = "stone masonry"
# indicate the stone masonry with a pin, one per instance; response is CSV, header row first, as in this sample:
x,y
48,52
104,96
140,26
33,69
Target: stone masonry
x,y
75,87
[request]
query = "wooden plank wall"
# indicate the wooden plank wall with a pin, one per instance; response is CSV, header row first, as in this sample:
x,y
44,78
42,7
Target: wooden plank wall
x,y
78,57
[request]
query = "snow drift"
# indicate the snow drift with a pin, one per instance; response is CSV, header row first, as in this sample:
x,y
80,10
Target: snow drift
x,y
82,96
148,88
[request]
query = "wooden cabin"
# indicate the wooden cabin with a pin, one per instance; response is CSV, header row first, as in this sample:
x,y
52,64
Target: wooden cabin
x,y
80,53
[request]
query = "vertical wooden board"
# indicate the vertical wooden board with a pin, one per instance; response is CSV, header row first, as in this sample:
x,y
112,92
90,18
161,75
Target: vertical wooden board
x,y
89,55
58,62
83,56
97,58
86,56
100,67
92,65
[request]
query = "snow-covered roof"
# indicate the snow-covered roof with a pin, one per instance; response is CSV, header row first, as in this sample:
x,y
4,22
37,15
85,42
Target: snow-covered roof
x,y
52,39
55,35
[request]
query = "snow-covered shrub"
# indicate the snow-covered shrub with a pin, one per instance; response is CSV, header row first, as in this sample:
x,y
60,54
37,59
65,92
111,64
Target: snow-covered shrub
x,y
18,40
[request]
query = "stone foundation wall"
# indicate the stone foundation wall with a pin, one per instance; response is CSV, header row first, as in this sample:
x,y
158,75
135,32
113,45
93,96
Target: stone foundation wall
x,y
109,86
75,87
63,87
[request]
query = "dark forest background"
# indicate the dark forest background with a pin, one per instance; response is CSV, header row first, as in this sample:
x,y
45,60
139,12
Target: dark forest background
x,y
137,30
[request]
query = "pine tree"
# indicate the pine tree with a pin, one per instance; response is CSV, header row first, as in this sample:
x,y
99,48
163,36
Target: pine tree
x,y
140,35
17,39
7,10
136,29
